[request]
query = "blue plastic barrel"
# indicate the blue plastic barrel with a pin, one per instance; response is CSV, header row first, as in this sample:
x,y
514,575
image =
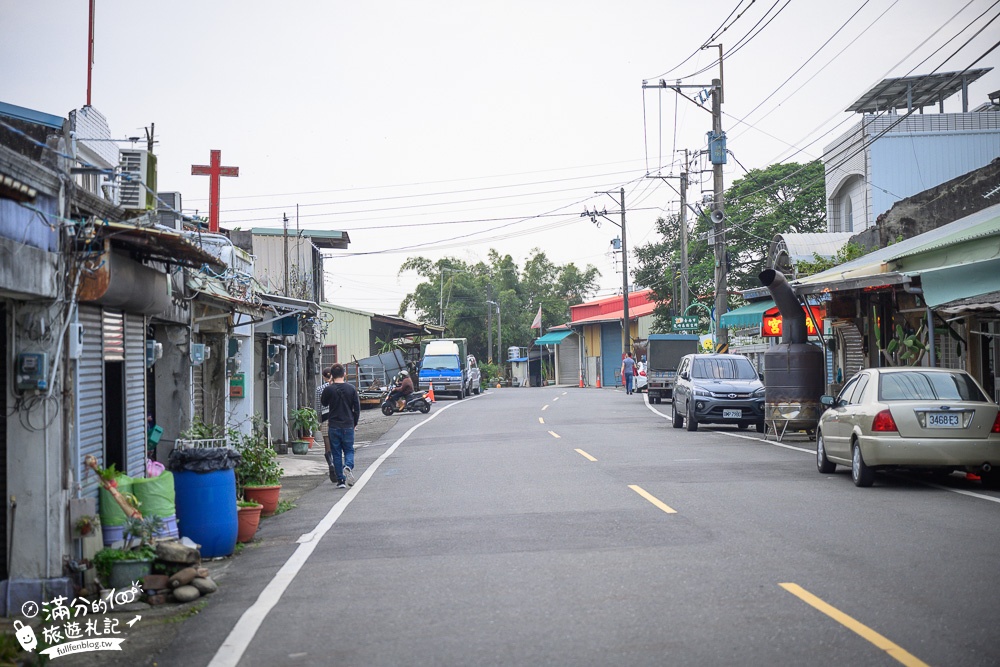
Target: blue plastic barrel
x,y
206,510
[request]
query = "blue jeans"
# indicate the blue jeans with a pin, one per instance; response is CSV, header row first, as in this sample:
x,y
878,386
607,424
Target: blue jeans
x,y
628,383
341,450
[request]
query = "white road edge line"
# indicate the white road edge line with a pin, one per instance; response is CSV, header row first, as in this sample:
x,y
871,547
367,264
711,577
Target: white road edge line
x,y
232,649
962,492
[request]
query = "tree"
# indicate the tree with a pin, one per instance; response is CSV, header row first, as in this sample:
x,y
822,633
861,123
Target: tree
x,y
460,292
766,202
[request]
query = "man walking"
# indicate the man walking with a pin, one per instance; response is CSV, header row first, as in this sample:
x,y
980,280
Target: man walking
x,y
344,405
628,371
324,412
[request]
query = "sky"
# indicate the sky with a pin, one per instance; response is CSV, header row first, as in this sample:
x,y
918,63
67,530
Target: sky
x,y
449,128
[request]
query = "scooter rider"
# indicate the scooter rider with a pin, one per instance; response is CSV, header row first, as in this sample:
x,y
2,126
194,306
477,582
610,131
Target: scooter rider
x,y
404,387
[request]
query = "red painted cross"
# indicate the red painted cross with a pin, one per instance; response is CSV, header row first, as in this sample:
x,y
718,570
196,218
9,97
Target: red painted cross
x,y
214,171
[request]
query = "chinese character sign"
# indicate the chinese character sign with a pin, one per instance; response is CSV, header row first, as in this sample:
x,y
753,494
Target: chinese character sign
x,y
771,325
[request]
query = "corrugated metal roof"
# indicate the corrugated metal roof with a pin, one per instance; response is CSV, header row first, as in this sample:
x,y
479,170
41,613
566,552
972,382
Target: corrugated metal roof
x,y
983,223
802,246
31,116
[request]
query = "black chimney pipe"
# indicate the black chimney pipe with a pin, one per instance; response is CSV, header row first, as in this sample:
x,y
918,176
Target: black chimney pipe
x,y
793,318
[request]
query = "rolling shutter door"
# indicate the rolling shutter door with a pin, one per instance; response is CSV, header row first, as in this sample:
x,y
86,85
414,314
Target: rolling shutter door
x,y
135,394
569,360
91,397
3,437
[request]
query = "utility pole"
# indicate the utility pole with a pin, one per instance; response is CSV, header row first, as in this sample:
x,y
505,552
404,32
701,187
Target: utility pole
x,y
684,237
717,151
285,217
626,330
489,324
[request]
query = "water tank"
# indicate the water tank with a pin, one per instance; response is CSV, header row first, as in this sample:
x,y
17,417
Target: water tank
x,y
206,509
513,352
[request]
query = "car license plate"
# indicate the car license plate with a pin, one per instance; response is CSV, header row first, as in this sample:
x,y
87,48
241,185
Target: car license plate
x,y
943,420
732,414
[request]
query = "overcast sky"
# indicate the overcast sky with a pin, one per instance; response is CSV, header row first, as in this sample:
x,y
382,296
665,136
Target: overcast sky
x,y
448,128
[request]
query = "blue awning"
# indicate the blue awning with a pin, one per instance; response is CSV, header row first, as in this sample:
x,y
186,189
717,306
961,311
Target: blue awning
x,y
553,337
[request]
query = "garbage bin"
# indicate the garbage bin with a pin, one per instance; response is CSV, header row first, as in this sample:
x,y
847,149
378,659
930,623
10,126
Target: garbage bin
x,y
205,497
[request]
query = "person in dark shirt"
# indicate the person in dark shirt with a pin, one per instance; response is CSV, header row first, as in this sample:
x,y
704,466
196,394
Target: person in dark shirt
x,y
344,411
403,388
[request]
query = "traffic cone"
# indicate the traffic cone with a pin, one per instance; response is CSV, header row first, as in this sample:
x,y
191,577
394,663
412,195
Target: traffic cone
x,y
581,381
430,393
598,381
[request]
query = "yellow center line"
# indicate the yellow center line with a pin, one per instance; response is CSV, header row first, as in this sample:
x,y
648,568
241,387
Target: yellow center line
x,y
544,408
653,499
586,455
541,421
894,651
555,399
554,434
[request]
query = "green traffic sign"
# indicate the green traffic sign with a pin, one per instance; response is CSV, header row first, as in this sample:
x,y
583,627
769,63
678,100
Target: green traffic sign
x,y
687,323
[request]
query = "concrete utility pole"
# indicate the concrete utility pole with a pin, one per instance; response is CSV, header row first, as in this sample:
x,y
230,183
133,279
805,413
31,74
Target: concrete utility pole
x,y
717,151
684,237
626,330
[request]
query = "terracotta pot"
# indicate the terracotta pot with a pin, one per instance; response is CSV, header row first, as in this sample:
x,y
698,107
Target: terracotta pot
x,y
310,439
248,518
265,495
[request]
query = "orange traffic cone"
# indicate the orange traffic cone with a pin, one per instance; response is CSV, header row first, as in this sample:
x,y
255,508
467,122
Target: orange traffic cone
x,y
581,380
598,381
430,393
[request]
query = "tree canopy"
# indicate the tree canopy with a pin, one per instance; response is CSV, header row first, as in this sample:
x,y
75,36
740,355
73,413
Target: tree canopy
x,y
781,198
458,292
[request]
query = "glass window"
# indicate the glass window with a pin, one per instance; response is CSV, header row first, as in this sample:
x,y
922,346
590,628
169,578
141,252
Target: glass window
x,y
847,392
724,368
859,392
926,386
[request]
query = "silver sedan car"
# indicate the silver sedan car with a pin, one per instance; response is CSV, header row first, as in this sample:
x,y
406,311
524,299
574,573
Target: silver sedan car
x,y
932,419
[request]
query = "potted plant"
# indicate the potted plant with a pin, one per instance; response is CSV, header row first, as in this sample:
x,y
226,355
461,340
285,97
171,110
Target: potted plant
x,y
248,516
305,421
258,475
118,568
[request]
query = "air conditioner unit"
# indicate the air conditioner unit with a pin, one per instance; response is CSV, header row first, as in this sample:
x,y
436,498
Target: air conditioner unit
x,y
168,210
138,172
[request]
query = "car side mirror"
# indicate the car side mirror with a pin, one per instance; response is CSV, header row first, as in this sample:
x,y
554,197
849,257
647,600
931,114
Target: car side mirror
x,y
828,401
761,376
685,376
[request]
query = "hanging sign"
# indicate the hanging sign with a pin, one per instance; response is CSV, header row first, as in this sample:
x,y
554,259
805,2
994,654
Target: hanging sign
x,y
771,326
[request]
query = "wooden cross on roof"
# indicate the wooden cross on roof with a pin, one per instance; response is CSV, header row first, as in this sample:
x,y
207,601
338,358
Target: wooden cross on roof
x,y
214,170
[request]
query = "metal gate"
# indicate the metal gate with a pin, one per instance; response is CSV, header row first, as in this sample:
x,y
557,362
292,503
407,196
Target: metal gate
x,y
611,354
568,353
91,395
135,394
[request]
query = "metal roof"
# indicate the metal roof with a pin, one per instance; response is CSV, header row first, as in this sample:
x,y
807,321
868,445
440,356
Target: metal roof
x,y
746,316
31,116
553,337
321,238
913,92
801,246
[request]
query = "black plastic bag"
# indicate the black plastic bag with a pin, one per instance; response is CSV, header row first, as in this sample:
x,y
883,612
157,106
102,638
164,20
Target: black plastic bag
x,y
203,460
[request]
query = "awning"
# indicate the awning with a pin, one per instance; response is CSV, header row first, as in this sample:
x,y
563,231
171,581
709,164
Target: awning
x,y
553,337
746,316
158,245
959,281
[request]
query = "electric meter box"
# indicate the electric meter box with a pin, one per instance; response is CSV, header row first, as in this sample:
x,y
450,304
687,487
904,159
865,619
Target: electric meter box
x,y
31,371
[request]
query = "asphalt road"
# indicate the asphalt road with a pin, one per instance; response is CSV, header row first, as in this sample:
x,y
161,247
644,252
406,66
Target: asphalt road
x,y
561,526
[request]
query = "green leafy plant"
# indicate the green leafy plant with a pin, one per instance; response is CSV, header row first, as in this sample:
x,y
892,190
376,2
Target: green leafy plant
x,y
258,464
305,420
86,523
248,503
199,430
140,535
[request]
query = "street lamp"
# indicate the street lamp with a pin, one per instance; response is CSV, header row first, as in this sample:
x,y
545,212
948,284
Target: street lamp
x,y
626,332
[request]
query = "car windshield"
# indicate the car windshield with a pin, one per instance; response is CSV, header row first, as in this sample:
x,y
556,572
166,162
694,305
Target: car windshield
x,y
724,369
918,385
440,362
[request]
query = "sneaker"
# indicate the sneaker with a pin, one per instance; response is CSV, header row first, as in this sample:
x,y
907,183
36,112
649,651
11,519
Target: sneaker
x,y
349,476
341,485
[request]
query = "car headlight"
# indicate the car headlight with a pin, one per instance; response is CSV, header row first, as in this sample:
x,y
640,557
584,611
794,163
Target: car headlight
x,y
759,393
702,392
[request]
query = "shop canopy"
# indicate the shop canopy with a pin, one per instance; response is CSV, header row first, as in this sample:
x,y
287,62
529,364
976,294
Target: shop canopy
x,y
553,337
749,315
